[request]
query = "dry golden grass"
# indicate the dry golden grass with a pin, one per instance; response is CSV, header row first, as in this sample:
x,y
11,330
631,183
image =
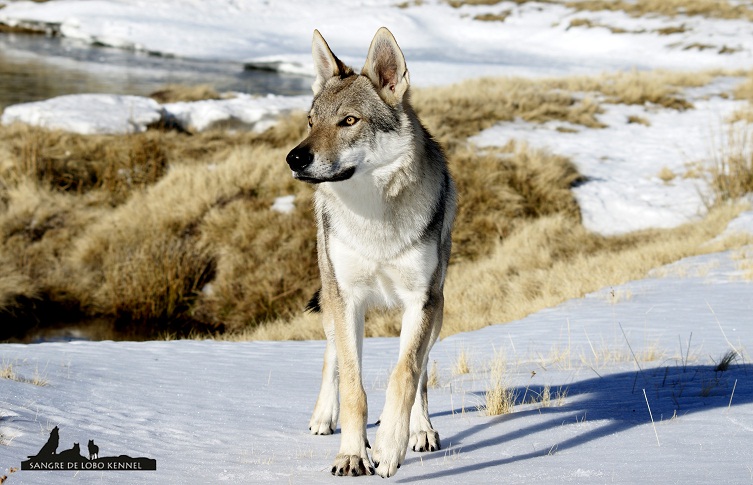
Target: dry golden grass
x,y
552,259
661,88
453,113
460,3
639,8
173,93
493,17
8,371
731,175
546,398
433,376
590,24
169,233
462,366
499,398
666,175
639,120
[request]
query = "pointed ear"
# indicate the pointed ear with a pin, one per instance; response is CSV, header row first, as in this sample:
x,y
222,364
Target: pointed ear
x,y
326,64
385,66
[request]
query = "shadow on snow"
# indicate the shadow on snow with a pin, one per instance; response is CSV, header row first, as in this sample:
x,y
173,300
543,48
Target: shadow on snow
x,y
615,399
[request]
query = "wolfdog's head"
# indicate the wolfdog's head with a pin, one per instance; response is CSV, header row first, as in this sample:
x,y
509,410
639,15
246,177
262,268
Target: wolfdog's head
x,y
357,123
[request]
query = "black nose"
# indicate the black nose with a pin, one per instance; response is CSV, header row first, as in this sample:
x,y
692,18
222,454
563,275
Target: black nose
x,y
299,158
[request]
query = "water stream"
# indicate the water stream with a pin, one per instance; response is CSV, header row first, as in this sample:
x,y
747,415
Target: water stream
x,y
36,67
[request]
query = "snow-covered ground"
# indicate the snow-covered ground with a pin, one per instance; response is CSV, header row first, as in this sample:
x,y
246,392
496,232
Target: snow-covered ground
x,y
212,412
238,412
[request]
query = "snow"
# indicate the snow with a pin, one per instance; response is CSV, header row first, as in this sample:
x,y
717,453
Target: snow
x,y
284,204
117,114
87,113
241,109
237,412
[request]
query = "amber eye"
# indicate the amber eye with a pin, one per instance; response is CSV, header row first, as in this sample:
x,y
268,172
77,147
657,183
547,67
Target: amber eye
x,y
349,121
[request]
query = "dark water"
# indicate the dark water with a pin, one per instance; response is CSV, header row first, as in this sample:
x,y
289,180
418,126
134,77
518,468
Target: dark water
x,y
36,67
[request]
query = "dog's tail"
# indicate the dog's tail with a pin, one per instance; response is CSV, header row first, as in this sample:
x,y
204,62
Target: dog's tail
x,y
313,305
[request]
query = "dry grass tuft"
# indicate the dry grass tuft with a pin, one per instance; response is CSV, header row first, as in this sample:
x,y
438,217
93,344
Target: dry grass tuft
x,y
460,3
8,371
731,173
462,365
499,397
433,377
638,120
493,17
173,93
666,175
546,399
590,24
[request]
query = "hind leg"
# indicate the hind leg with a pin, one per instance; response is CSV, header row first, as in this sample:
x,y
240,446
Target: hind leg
x,y
327,408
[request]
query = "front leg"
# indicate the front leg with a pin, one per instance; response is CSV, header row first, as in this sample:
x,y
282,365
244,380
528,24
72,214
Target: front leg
x,y
419,323
324,418
353,458
423,437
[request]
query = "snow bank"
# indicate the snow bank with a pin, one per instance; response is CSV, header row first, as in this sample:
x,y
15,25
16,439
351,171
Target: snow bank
x,y
242,109
113,114
87,113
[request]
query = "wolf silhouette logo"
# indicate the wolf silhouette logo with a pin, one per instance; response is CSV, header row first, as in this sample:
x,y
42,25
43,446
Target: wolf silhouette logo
x,y
49,448
49,459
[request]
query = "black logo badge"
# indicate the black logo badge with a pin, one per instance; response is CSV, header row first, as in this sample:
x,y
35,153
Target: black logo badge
x,y
71,459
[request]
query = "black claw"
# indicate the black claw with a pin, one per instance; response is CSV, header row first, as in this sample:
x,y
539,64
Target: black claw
x,y
376,464
371,469
398,466
368,445
334,469
379,421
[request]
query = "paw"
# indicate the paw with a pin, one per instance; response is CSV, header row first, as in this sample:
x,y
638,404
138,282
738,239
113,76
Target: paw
x,y
387,458
322,425
424,441
352,465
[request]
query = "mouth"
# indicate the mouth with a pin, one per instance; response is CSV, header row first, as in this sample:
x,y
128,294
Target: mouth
x,y
344,175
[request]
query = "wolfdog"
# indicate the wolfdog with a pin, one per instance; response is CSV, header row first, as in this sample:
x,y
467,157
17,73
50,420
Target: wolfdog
x,y
385,205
